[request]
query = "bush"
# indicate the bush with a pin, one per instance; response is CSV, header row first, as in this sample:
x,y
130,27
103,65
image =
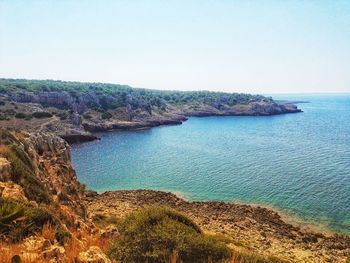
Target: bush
x,y
19,220
20,115
106,115
22,174
63,116
41,114
103,220
62,236
87,116
4,118
155,234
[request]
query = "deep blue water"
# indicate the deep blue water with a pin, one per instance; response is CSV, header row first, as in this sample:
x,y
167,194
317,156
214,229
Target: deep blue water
x,y
298,163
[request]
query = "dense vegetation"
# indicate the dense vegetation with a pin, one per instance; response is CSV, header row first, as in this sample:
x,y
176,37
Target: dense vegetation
x,y
112,96
157,235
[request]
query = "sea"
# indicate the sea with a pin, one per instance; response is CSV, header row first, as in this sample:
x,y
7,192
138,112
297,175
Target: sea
x,y
297,163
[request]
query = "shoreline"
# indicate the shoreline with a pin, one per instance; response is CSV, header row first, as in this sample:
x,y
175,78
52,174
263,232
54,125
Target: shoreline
x,y
288,217
90,133
253,228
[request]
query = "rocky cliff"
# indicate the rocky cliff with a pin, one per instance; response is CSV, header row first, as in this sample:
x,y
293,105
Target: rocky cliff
x,y
42,160
42,213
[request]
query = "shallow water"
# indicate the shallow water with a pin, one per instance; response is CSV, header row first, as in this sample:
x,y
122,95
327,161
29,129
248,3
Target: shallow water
x,y
299,163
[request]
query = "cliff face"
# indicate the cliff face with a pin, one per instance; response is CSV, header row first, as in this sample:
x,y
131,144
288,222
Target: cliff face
x,y
40,165
43,217
53,167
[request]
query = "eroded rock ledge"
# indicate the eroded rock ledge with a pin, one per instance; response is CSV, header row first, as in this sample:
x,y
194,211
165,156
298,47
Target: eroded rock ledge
x,y
255,228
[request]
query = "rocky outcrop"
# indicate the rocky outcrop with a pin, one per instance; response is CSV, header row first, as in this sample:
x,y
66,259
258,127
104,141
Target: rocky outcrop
x,y
260,109
63,99
52,154
37,167
93,255
134,125
40,191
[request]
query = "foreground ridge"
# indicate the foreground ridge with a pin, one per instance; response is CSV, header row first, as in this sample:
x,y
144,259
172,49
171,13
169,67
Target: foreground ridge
x,y
254,229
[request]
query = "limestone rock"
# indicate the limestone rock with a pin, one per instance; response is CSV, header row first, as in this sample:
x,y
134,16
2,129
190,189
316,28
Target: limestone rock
x,y
93,255
12,190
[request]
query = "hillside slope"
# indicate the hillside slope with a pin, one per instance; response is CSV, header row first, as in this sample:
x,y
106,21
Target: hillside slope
x,y
73,109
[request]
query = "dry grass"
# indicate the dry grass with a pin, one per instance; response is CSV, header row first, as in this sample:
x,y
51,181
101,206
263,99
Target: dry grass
x,y
240,256
20,134
3,149
82,241
48,232
8,251
73,247
96,240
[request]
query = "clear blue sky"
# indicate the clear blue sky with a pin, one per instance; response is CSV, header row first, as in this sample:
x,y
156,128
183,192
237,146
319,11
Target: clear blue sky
x,y
247,46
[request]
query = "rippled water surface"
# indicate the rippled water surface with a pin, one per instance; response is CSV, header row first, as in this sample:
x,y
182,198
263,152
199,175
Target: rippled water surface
x,y
299,163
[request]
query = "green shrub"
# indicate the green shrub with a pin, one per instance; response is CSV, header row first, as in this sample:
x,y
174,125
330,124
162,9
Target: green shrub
x,y
9,212
62,115
20,115
62,236
19,220
41,114
87,116
106,115
22,173
155,234
4,118
103,220
16,259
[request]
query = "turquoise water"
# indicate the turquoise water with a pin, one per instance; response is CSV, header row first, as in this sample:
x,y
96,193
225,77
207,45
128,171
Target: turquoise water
x,y
299,163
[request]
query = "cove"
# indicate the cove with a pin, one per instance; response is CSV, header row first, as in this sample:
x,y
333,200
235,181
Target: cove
x,y
298,163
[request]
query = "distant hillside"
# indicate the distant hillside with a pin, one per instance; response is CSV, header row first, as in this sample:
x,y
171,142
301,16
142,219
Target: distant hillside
x,y
111,96
74,108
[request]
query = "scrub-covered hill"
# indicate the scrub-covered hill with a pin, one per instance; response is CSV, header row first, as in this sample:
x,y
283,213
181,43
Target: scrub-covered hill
x,y
73,109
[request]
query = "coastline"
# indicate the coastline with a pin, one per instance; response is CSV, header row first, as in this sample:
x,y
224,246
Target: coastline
x,y
305,224
253,227
90,131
